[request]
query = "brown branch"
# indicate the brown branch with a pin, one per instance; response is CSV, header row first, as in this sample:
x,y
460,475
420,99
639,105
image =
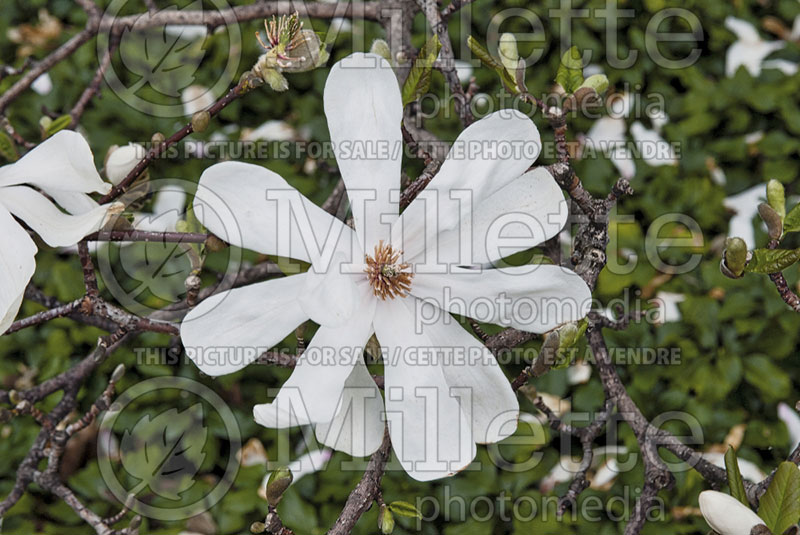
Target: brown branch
x,y
366,492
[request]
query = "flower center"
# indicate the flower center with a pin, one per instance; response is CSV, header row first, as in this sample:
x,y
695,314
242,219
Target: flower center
x,y
386,274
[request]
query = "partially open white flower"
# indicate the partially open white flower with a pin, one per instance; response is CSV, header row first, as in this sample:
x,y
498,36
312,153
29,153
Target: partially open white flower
x,y
396,275
726,515
122,160
63,167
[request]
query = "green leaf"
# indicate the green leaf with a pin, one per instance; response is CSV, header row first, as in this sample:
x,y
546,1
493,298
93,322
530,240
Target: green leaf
x,y
7,148
735,476
487,59
780,505
419,78
59,123
570,71
766,261
405,509
791,223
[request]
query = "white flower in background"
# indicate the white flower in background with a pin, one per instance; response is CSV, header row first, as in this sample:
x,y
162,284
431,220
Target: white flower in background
x,y
792,420
63,167
726,515
749,49
196,98
122,160
745,207
464,70
43,84
385,278
667,303
749,470
608,135
270,131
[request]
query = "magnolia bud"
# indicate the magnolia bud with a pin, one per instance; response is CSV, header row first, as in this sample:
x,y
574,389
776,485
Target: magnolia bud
x,y
278,482
776,197
726,515
385,520
772,219
122,160
735,257
509,55
13,397
214,244
381,48
119,371
258,527
200,121
598,82
158,138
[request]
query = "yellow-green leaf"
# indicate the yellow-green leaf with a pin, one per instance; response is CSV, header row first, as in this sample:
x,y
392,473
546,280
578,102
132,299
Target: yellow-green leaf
x,y
780,505
59,123
766,261
419,78
735,476
570,71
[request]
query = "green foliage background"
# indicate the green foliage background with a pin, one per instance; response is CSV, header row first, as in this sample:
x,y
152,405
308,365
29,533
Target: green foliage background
x,y
737,340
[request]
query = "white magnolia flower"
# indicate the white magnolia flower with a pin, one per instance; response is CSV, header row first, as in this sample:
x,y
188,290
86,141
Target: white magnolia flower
x,y
667,303
749,49
726,515
396,275
63,167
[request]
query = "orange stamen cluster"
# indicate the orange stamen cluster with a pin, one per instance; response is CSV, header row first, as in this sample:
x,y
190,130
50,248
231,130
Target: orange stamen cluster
x,y
386,274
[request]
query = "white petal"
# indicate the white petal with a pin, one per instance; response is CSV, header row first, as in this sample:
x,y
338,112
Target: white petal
x,y
55,227
743,30
488,155
745,207
318,379
74,202
785,66
364,111
533,298
652,147
329,297
751,55
229,330
605,134
17,265
358,426
122,160
792,420
726,515
252,207
63,162
43,84
431,435
486,394
519,216
196,98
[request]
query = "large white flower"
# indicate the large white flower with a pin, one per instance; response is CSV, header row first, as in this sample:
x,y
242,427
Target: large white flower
x,y
726,515
63,167
396,275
